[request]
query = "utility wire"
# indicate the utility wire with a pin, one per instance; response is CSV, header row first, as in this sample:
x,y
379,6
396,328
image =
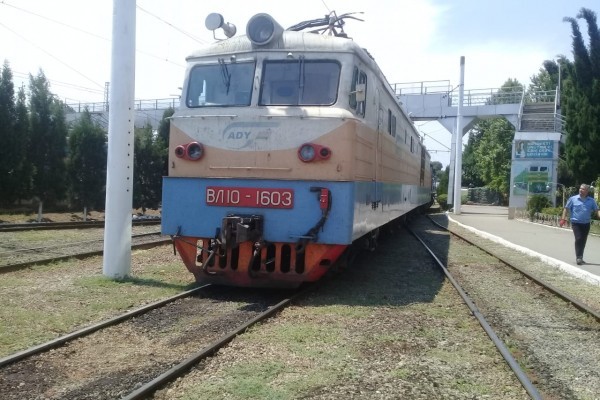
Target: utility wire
x,y
172,26
328,10
50,54
435,140
4,3
57,83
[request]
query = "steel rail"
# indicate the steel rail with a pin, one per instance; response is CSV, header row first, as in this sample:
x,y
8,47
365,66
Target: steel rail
x,y
67,225
58,246
500,345
96,327
178,370
19,266
552,289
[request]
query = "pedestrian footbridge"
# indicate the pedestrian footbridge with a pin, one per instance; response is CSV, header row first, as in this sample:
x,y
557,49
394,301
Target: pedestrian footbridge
x,y
535,115
529,111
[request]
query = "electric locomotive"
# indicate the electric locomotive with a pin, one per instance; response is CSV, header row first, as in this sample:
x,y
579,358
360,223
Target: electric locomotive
x,y
288,147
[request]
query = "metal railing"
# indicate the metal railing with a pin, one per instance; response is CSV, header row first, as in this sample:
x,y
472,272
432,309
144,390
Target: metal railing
x,y
489,97
139,105
552,220
472,97
424,87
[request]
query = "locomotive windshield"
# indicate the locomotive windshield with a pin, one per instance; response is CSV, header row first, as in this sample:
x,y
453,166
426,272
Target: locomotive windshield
x,y
222,84
299,82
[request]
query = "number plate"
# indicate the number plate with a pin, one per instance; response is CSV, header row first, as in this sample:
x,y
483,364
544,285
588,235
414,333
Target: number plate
x,y
249,197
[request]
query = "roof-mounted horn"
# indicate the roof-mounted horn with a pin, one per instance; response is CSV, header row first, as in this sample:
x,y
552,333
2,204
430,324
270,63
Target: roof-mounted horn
x,y
215,21
262,29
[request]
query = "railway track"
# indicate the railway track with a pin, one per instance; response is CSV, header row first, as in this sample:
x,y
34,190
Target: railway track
x,y
62,364
393,312
521,312
14,259
69,225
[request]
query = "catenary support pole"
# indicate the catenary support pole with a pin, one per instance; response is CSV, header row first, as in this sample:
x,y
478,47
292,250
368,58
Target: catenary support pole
x,y
459,138
119,171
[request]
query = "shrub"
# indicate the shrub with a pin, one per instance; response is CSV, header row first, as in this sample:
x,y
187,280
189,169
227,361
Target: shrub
x,y
442,199
536,204
552,210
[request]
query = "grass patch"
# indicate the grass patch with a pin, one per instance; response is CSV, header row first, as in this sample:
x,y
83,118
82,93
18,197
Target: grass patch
x,y
51,300
303,339
270,380
342,311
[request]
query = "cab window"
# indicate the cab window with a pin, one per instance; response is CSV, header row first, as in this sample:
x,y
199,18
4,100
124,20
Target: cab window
x,y
299,82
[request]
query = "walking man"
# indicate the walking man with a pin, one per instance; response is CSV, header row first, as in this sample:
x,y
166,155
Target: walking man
x,y
580,207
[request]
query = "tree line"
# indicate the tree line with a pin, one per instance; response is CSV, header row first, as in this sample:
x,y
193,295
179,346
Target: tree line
x,y
487,155
55,164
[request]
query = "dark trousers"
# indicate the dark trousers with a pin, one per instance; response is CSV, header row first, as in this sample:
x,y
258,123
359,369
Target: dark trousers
x,y
581,232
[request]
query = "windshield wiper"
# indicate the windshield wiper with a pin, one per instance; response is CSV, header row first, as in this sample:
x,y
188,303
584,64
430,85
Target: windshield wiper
x,y
225,74
301,78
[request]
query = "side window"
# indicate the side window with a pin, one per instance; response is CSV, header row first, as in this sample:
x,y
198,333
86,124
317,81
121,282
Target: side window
x,y
391,123
352,100
358,77
362,105
412,145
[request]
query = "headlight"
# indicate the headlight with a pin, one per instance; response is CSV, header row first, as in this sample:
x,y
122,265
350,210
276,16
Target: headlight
x,y
310,152
306,152
194,151
263,29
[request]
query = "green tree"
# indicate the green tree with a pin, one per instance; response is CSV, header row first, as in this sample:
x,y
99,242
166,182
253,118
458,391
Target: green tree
x,y
47,148
581,102
487,155
87,163
9,157
23,134
165,125
442,188
470,171
163,138
493,154
148,166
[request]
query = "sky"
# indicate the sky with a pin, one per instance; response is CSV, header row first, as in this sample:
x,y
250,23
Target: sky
x,y
411,40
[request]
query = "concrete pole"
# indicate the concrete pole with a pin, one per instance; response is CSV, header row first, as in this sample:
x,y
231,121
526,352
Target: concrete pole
x,y
119,171
459,137
452,163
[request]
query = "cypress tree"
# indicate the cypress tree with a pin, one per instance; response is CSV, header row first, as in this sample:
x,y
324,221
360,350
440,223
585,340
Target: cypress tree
x,y
86,165
581,105
8,158
47,149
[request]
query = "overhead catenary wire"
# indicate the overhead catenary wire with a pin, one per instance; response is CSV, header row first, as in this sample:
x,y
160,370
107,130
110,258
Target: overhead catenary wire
x,y
172,26
86,32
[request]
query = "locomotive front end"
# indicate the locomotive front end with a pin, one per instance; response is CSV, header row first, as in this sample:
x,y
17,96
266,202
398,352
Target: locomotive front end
x,y
258,192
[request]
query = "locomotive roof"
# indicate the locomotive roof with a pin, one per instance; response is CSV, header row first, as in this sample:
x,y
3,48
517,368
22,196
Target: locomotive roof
x,y
289,41
292,41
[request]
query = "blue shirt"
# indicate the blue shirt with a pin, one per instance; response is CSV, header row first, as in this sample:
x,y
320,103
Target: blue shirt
x,y
581,209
